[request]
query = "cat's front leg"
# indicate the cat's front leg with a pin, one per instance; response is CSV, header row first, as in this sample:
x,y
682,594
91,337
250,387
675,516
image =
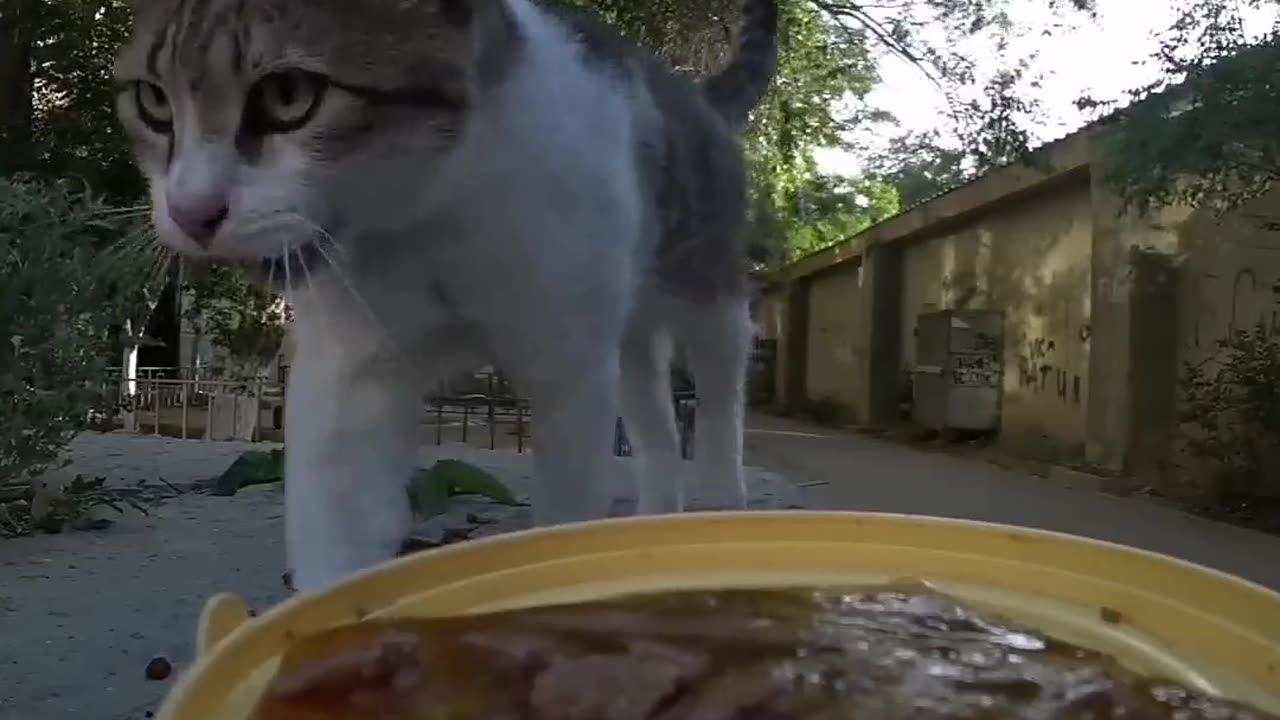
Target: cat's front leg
x,y
575,411
567,361
350,448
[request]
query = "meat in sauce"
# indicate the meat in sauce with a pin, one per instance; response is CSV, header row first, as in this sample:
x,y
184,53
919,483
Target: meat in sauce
x,y
880,654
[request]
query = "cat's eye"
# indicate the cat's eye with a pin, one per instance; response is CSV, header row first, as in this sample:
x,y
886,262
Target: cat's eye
x,y
283,102
153,106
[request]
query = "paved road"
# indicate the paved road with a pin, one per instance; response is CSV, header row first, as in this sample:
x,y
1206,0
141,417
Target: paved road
x,y
845,471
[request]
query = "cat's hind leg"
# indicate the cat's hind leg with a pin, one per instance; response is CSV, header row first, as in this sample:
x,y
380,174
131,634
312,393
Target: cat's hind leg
x,y
649,418
575,412
716,336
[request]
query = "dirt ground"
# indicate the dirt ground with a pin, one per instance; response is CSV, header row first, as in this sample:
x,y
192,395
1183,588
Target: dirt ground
x,y
82,613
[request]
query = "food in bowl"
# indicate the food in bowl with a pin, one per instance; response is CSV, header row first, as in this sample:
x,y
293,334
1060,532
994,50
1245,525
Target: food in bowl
x,y
881,653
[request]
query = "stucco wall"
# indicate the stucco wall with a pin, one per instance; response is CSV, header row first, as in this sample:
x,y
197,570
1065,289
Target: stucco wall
x,y
1101,306
1230,278
771,324
1031,259
770,313
835,355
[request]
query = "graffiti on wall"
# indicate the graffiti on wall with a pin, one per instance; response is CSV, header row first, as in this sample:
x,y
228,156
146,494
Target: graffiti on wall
x,y
981,370
1252,300
1043,368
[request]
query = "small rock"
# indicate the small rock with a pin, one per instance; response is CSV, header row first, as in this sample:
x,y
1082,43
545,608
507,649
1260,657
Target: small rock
x,y
451,536
159,669
416,544
92,524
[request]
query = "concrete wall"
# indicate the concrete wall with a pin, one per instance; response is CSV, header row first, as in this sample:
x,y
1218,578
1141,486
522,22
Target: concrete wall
x,y
1102,307
771,323
835,357
770,313
1031,259
1230,279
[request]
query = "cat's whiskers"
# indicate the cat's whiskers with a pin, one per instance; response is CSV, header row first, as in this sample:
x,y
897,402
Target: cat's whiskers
x,y
322,234
132,211
337,268
160,268
131,241
321,311
288,277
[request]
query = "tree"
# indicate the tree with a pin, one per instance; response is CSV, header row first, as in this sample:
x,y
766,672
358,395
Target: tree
x,y
75,131
61,304
921,166
240,316
19,28
61,52
59,94
1207,133
1231,417
815,99
826,69
834,208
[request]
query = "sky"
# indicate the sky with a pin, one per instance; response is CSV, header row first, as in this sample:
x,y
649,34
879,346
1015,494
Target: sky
x,y
1102,58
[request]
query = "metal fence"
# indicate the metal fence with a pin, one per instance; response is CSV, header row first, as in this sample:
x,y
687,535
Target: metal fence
x,y
476,408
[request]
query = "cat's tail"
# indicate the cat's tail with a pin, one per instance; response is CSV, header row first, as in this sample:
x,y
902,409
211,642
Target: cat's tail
x,y
737,89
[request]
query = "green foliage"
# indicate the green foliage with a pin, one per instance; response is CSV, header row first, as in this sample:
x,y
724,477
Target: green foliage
x,y
244,318
827,67
71,271
76,505
56,86
1232,413
431,490
833,209
254,467
1206,134
920,166
822,77
63,96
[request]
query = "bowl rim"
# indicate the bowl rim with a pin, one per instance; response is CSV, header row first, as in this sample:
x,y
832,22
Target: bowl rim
x,y
528,548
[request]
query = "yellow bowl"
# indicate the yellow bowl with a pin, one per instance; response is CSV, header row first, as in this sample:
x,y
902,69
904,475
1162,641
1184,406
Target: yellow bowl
x,y
1157,614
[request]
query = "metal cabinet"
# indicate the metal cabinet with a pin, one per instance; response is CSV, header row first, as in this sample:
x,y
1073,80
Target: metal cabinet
x,y
957,380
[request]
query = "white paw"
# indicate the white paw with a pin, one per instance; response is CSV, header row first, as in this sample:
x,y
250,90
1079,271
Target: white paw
x,y
649,502
724,493
319,567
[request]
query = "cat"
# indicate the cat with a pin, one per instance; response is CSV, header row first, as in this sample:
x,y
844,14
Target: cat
x,y
441,184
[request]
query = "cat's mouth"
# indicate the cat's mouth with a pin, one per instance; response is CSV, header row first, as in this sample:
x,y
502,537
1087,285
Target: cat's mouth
x,y
296,268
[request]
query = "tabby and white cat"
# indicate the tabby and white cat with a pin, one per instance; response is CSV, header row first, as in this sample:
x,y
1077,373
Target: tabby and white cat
x,y
447,183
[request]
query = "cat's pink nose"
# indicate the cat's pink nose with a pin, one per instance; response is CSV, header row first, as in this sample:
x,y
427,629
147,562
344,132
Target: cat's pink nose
x,y
199,216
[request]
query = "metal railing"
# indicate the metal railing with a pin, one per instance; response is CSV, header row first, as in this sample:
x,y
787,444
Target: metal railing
x,y
183,408
159,401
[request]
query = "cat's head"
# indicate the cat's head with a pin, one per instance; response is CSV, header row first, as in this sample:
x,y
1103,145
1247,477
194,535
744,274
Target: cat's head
x,y
263,125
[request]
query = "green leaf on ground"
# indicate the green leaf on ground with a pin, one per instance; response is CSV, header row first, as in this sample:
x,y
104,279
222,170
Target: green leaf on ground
x,y
428,493
254,467
430,489
467,479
